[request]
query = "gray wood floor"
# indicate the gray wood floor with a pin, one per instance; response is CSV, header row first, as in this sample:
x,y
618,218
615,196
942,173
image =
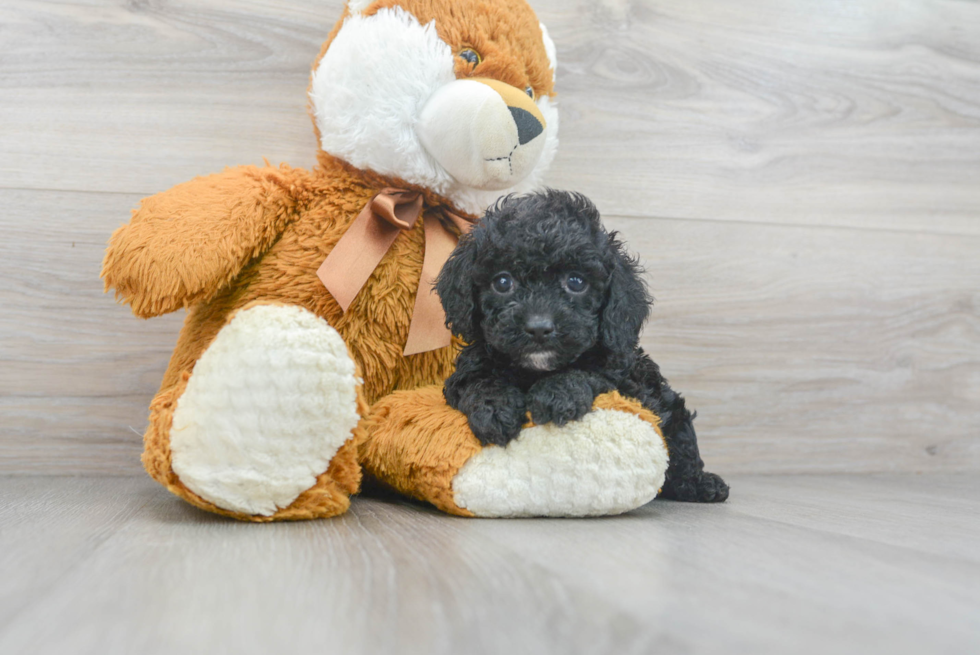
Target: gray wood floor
x,y
792,564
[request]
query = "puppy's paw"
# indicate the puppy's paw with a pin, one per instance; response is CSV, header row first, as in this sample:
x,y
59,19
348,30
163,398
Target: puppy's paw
x,y
498,417
560,398
706,488
712,489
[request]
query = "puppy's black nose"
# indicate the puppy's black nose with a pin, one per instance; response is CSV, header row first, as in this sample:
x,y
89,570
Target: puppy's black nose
x,y
539,326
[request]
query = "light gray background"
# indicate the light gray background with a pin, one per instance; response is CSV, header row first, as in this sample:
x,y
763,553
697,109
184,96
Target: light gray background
x,y
801,179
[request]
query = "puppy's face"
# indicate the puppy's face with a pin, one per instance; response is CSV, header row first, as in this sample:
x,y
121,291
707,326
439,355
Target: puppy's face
x,y
542,315
541,282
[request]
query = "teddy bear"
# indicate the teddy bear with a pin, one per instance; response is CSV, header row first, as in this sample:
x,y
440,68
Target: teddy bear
x,y
313,350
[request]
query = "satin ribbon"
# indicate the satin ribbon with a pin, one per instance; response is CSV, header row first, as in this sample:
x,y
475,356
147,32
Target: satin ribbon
x,y
351,262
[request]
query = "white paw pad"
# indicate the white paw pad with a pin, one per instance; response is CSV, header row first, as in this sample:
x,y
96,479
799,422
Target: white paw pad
x,y
607,463
267,407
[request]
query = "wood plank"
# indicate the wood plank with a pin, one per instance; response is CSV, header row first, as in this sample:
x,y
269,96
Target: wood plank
x,y
379,580
136,97
750,575
51,526
916,512
818,349
862,113
77,370
789,564
865,114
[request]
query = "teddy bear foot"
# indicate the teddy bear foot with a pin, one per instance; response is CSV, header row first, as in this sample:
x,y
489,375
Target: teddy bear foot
x,y
611,461
269,405
608,462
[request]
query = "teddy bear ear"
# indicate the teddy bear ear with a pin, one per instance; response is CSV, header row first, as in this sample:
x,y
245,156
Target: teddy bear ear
x,y
357,6
549,48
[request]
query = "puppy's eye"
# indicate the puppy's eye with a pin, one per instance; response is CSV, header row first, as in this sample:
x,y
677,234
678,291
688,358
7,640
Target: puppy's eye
x,y
503,283
575,284
530,92
470,55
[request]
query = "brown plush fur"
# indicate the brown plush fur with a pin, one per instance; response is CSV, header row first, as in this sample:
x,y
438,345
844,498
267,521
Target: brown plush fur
x,y
505,33
250,235
268,230
414,443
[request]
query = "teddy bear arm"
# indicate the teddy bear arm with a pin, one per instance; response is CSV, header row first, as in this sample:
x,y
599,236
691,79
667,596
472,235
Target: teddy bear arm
x,y
185,244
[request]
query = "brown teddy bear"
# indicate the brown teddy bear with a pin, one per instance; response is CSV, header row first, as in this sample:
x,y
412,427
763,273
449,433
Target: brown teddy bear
x,y
313,346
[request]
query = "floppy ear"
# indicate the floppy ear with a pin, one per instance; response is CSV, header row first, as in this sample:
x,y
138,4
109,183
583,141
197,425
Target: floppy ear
x,y
627,302
455,289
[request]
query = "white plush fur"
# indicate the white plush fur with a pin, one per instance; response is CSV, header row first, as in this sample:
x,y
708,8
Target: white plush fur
x,y
608,463
267,407
367,94
469,130
357,6
549,48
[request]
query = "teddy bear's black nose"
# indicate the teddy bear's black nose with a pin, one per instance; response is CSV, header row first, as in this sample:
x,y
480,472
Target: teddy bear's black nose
x,y
539,326
528,126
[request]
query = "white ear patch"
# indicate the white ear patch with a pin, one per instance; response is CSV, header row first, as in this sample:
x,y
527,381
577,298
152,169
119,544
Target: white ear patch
x,y
549,47
369,88
357,6
609,462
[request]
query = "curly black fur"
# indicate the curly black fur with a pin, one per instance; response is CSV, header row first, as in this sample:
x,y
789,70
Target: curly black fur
x,y
551,306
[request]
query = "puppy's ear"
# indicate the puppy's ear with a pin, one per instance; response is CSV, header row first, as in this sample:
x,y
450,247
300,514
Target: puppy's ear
x,y
455,289
627,301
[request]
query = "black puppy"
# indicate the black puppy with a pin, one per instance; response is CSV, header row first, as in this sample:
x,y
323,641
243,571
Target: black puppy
x,y
551,307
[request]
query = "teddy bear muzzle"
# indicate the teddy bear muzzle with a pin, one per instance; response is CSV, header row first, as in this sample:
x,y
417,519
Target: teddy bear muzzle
x,y
483,132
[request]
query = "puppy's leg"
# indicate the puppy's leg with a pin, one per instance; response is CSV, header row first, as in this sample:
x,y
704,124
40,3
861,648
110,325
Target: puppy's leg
x,y
566,396
686,478
495,410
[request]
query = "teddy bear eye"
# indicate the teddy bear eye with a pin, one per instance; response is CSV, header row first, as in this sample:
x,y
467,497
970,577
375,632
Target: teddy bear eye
x,y
470,55
575,283
530,92
503,283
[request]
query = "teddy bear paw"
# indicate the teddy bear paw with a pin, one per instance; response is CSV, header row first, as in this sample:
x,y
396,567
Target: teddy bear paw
x,y
608,462
267,407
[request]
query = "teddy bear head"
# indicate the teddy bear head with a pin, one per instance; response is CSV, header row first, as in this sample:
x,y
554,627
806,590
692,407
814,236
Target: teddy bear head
x,y
453,96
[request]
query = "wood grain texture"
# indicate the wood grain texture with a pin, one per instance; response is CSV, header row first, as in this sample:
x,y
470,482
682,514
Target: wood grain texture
x,y
859,114
862,113
802,180
802,564
817,349
78,371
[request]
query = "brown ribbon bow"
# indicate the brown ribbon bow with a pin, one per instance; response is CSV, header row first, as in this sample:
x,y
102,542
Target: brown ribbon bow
x,y
351,262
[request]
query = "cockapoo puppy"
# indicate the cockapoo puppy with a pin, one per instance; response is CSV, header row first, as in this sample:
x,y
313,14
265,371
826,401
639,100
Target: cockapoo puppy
x,y
551,306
